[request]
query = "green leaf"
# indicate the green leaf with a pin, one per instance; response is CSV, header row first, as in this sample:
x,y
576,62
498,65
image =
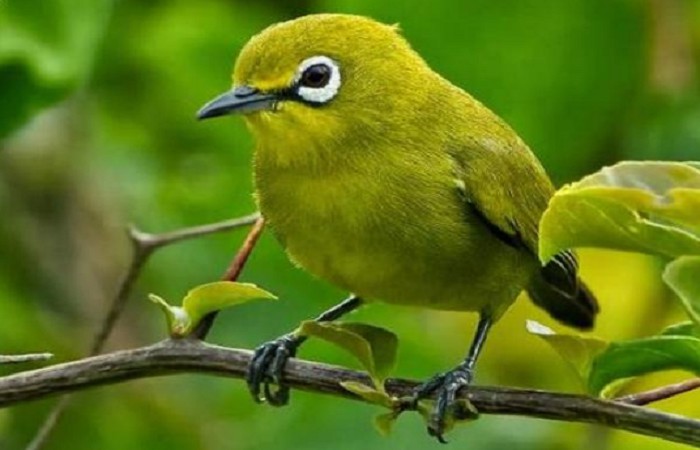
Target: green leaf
x,y
178,320
375,348
641,356
682,329
462,411
368,393
683,276
648,207
605,366
211,297
579,351
45,51
205,299
384,422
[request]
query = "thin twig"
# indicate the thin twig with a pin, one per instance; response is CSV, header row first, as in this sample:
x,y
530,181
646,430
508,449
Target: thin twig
x,y
232,273
141,252
29,357
163,239
49,423
662,393
143,246
236,267
171,357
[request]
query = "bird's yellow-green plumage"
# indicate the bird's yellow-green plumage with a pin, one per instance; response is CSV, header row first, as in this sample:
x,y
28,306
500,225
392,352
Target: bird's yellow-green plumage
x,y
401,188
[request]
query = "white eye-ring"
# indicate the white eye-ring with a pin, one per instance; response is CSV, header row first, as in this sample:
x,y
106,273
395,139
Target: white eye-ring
x,y
317,79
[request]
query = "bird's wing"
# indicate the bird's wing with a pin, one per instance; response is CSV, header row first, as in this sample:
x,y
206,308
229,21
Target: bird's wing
x,y
506,187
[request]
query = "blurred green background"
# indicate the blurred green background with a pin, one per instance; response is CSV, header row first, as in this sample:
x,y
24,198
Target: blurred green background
x,y
97,130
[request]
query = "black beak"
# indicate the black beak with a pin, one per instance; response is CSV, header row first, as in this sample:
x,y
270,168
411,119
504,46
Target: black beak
x,y
241,100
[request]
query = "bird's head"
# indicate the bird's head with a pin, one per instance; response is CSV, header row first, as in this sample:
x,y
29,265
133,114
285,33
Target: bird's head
x,y
322,78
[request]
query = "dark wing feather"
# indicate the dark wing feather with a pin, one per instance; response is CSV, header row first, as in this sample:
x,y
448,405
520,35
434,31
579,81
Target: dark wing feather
x,y
558,290
508,190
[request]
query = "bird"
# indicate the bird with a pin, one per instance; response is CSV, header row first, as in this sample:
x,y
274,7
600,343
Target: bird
x,y
380,176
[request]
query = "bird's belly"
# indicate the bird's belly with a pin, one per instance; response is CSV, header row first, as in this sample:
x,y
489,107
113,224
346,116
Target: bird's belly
x,y
428,254
475,279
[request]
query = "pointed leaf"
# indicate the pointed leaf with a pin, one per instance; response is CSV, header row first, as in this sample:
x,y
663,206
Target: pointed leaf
x,y
605,366
425,408
682,329
179,322
462,412
384,423
648,207
368,393
683,276
579,351
203,300
374,347
641,356
466,411
211,297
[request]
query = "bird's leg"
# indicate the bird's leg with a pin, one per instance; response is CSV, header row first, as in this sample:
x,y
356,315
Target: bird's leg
x,y
448,384
268,361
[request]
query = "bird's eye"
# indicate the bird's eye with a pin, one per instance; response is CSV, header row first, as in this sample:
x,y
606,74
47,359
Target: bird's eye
x,y
317,80
316,76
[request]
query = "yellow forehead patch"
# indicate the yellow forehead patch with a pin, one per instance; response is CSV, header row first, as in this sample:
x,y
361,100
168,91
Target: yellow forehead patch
x,y
267,84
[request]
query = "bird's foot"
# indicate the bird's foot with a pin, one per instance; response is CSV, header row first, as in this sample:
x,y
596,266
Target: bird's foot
x,y
448,408
266,368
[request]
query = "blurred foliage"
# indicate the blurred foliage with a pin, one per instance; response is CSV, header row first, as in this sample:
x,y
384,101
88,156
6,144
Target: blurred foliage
x,y
45,52
585,82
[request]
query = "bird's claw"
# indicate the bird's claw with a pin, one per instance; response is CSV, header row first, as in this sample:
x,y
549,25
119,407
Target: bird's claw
x,y
266,368
447,385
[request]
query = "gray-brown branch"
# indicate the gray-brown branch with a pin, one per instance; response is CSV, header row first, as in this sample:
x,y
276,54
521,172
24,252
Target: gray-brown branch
x,y
143,245
172,357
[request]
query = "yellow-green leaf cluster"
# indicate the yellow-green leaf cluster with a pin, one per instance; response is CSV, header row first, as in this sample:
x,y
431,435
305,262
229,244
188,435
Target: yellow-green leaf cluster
x,y
647,207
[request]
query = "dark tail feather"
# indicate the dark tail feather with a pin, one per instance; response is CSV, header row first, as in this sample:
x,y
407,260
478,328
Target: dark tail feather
x,y
558,290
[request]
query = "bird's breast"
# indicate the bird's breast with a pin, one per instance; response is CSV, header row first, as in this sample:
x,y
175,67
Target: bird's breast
x,y
401,237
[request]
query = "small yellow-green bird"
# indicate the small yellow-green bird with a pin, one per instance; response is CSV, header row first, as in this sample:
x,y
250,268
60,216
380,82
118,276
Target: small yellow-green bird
x,y
377,174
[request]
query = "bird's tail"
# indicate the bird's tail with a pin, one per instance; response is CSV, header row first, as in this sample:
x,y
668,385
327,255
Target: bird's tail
x,y
558,290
